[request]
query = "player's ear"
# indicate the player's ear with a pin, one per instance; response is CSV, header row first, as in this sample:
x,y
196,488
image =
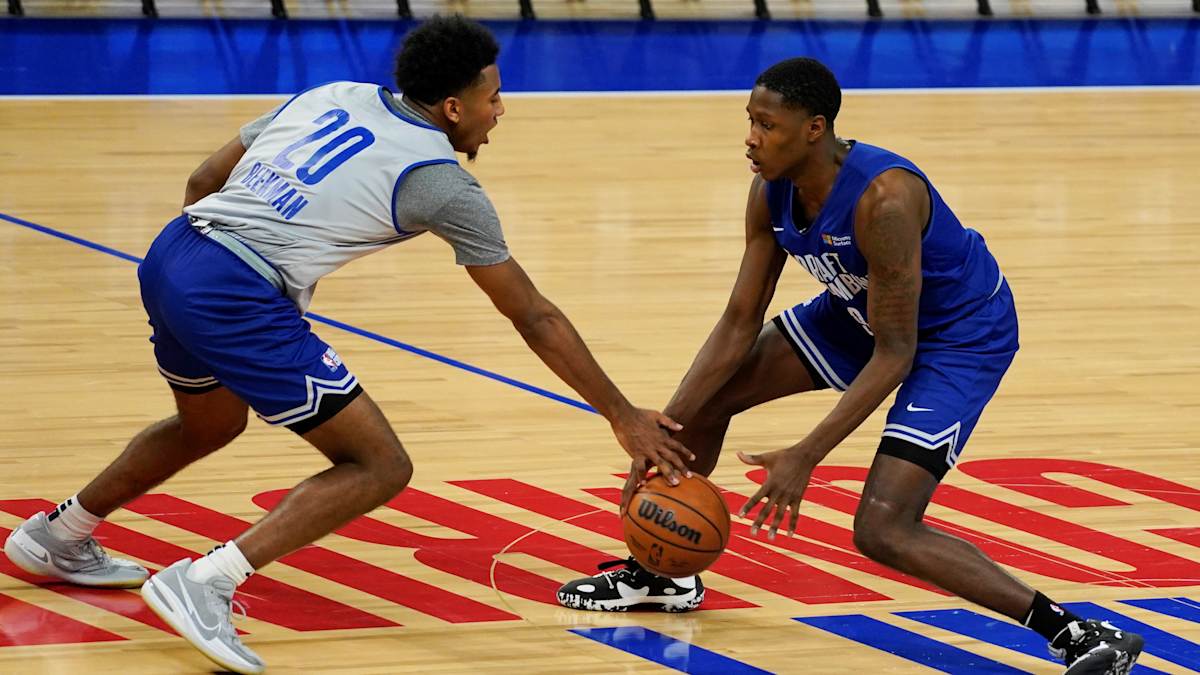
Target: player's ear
x,y
452,108
816,127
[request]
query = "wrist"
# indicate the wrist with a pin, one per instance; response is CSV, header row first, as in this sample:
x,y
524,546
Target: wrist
x,y
807,453
619,413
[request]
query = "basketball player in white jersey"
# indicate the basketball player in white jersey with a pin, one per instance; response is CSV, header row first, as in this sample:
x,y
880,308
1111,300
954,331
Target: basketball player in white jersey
x,y
339,171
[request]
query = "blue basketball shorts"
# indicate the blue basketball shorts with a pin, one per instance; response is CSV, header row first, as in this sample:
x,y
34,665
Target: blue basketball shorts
x,y
956,370
217,322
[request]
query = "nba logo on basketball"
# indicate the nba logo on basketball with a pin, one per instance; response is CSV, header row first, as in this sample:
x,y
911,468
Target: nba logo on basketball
x,y
676,531
331,359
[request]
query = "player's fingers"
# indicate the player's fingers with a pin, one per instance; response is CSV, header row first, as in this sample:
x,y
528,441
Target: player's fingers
x,y
668,423
762,516
780,512
680,449
666,468
795,519
631,487
750,503
674,452
638,468
640,475
755,460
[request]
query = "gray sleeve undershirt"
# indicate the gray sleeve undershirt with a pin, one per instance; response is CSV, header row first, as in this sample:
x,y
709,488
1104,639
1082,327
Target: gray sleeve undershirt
x,y
447,201
251,130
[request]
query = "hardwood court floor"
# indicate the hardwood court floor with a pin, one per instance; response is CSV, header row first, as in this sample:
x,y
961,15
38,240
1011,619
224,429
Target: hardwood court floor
x,y
627,211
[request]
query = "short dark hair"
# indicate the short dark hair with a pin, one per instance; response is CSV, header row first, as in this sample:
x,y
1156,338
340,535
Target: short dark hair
x,y
804,83
443,56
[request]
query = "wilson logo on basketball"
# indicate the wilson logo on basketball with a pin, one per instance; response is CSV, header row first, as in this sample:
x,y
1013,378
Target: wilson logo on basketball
x,y
665,518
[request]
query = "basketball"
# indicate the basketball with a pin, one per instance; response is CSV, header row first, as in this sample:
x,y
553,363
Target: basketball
x,y
676,531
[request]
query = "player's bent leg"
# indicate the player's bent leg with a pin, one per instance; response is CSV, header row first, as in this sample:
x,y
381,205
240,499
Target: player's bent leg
x,y
60,545
889,528
203,424
370,466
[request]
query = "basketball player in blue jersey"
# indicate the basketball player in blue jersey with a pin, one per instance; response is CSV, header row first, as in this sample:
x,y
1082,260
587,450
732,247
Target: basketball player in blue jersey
x,y
339,171
913,300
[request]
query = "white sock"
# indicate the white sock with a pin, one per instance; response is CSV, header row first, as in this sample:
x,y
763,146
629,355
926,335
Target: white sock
x,y
225,560
72,522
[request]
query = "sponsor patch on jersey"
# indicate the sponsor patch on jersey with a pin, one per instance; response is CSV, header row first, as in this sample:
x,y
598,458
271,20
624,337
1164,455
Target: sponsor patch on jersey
x,y
832,240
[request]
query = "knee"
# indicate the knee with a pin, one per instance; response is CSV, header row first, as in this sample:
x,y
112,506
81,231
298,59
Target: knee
x,y
880,534
392,474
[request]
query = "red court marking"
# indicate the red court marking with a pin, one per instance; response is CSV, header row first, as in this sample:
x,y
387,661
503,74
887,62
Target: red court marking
x,y
1187,535
769,570
472,557
495,534
775,572
24,624
265,598
322,562
1029,476
1153,568
128,604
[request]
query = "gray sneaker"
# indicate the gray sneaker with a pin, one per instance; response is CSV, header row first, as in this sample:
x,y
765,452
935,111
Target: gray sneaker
x,y
202,614
32,548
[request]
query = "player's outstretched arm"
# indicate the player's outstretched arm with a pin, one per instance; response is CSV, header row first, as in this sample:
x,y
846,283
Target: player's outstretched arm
x,y
887,228
548,332
211,175
733,336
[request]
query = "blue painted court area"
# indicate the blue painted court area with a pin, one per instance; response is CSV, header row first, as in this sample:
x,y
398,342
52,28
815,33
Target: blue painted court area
x,y
210,56
668,651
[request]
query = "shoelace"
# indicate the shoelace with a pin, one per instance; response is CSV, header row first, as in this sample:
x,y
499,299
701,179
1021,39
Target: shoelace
x,y
89,550
628,567
224,606
1079,645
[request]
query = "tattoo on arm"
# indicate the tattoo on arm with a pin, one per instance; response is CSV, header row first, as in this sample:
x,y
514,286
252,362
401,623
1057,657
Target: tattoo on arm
x,y
890,240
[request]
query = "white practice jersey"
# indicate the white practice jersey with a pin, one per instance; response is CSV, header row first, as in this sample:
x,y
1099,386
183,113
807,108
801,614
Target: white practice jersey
x,y
316,188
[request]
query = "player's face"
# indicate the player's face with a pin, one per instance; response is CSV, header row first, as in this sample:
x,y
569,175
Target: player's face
x,y
779,137
481,111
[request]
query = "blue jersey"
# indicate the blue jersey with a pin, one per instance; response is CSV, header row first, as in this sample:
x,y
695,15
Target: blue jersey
x,y
959,274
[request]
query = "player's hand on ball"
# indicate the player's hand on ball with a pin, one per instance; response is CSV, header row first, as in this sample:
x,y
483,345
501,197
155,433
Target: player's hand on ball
x,y
788,473
644,435
638,473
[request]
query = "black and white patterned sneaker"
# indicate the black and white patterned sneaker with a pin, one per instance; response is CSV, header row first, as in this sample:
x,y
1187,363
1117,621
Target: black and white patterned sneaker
x,y
1097,648
622,584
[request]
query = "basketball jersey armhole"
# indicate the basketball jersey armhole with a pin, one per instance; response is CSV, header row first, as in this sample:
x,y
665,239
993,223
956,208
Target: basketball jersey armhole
x,y
926,227
299,94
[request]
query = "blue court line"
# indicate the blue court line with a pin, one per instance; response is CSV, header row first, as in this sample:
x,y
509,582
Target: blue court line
x,y
667,651
1158,642
998,632
370,335
1180,608
450,361
71,238
906,644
